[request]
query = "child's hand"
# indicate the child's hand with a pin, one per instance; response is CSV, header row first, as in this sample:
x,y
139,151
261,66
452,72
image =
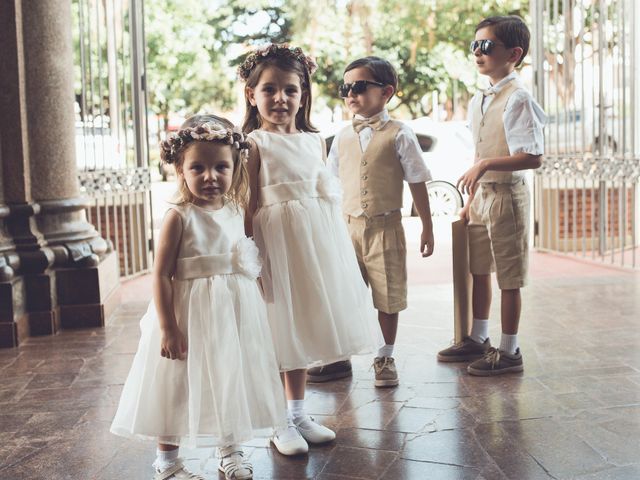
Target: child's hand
x,y
468,182
426,242
173,345
464,213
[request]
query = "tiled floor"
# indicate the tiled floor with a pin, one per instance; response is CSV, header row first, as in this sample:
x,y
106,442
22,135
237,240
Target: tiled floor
x,y
573,414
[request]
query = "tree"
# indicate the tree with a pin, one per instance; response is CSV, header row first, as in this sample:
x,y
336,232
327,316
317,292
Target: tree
x,y
184,72
193,49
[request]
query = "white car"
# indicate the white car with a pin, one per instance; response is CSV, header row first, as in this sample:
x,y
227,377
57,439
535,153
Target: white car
x,y
449,156
447,151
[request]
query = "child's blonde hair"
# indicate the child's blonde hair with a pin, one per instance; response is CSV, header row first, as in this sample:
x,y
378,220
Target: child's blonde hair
x,y
209,128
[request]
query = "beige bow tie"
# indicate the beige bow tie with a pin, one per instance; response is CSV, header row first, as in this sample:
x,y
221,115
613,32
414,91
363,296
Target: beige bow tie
x,y
373,122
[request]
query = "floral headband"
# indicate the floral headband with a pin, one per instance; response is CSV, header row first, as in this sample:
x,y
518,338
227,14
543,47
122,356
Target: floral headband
x,y
275,50
207,132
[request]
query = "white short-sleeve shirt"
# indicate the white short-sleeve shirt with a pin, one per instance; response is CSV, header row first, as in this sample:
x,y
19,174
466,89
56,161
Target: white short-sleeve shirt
x,y
523,118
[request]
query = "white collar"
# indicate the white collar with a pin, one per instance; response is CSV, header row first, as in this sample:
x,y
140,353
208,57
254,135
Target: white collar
x,y
502,83
383,115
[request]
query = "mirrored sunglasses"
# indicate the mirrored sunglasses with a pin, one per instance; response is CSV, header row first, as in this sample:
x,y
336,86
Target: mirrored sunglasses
x,y
357,87
485,46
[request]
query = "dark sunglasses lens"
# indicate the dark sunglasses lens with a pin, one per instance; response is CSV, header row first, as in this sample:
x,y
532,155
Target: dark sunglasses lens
x,y
359,87
486,47
344,90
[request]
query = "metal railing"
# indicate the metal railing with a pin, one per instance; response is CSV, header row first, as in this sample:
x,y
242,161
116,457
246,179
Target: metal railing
x,y
111,137
587,78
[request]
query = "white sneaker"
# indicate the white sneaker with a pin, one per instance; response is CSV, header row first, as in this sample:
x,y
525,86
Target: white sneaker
x,y
288,441
176,472
313,432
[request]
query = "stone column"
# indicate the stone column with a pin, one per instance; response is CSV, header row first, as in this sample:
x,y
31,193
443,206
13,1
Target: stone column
x,y
26,251
86,272
62,257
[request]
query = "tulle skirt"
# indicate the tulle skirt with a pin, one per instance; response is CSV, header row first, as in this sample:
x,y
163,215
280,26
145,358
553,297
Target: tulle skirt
x,y
319,308
227,391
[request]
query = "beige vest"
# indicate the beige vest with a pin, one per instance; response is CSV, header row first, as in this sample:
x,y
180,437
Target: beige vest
x,y
488,133
372,180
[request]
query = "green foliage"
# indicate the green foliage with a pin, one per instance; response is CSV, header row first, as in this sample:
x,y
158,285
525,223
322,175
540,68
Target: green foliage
x,y
192,49
184,70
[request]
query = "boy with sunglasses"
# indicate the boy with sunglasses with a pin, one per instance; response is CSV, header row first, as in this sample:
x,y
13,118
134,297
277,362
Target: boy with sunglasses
x,y
507,127
373,157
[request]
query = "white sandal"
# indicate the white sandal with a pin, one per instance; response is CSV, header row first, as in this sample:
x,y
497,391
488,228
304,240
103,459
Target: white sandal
x,y
235,467
177,472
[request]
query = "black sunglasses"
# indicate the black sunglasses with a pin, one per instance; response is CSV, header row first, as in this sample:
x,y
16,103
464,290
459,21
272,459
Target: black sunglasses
x,y
485,46
357,87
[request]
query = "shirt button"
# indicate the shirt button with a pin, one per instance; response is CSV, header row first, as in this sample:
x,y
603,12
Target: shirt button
x,y
364,192
364,163
364,177
364,205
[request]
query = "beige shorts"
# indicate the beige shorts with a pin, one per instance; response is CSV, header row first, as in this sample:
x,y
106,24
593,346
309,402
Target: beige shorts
x,y
499,233
382,255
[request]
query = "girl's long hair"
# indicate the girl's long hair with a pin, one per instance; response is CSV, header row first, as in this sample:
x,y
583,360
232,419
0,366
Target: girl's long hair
x,y
252,120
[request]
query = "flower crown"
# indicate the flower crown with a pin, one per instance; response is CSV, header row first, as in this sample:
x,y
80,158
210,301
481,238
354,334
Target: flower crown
x,y
207,132
275,50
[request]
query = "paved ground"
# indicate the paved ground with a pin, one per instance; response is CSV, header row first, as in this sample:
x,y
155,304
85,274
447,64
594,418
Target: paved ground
x,y
573,414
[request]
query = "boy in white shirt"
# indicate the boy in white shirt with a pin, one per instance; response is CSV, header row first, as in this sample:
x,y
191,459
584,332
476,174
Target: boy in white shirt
x,y
507,127
373,157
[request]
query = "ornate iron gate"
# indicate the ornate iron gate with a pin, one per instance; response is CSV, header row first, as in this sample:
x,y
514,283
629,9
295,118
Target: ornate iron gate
x,y
587,78
111,119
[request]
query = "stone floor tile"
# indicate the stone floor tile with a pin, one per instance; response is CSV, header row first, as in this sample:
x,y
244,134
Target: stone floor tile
x,y
411,470
454,447
372,439
572,415
359,462
630,472
555,446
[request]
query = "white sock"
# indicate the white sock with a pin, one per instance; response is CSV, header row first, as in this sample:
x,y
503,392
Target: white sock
x,y
509,343
479,330
386,351
165,459
296,408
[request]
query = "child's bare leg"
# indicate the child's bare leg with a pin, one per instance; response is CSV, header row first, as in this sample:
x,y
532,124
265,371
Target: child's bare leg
x,y
511,303
481,298
166,447
389,326
294,384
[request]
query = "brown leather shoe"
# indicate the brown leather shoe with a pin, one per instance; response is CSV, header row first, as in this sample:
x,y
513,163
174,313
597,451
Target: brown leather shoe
x,y
332,371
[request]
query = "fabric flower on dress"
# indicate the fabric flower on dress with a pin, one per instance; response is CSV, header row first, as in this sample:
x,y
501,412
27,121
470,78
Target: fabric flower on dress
x,y
328,187
247,258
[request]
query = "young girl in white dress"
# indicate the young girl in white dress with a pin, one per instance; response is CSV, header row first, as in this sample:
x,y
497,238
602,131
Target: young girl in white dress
x,y
318,304
205,373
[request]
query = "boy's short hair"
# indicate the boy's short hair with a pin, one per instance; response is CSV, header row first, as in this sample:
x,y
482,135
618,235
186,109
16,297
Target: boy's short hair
x,y
381,70
510,30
